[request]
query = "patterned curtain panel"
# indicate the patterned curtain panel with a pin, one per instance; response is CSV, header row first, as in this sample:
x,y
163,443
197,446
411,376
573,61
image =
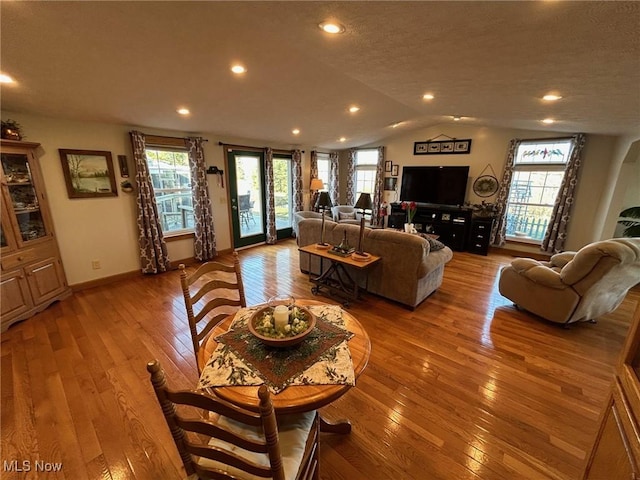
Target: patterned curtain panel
x,y
153,249
351,178
205,238
314,165
334,175
272,236
556,233
378,190
313,174
499,230
296,173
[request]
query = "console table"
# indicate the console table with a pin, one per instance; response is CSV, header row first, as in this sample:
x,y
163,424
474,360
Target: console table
x,y
449,222
337,279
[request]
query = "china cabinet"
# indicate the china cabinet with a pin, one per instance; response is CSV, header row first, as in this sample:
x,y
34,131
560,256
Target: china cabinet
x,y
616,451
32,276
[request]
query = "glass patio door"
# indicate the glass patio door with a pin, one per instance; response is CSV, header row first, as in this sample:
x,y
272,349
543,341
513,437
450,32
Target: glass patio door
x,y
246,189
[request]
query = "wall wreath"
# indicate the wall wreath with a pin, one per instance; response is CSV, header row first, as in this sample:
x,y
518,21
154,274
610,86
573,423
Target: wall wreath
x,y
486,185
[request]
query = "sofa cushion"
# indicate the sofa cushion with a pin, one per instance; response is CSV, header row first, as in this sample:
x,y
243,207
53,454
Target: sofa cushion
x,y
347,216
434,245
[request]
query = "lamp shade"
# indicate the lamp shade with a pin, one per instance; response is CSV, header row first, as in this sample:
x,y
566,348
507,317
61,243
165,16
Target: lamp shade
x,y
324,201
316,184
364,202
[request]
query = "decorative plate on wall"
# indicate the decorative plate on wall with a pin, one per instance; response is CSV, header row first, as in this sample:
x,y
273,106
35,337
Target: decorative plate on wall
x,y
485,185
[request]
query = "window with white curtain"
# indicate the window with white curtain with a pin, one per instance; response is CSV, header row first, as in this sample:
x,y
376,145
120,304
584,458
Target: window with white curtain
x,y
171,179
537,175
324,169
366,166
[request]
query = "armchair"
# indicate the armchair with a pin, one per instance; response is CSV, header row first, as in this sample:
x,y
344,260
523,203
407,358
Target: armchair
x,y
346,214
574,286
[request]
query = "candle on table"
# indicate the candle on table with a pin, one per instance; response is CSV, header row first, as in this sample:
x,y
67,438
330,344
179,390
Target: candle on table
x,y
280,317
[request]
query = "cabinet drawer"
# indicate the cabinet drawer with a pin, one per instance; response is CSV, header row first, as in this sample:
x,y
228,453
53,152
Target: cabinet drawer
x,y
28,255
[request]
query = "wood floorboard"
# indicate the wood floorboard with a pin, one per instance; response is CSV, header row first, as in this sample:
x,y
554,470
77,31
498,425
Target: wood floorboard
x,y
463,387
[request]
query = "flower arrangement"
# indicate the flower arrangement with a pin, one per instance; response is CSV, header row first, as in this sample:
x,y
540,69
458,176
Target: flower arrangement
x,y
410,208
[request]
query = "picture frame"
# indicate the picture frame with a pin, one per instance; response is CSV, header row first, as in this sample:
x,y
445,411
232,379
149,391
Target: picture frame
x,y
394,171
390,183
124,167
88,173
387,165
443,147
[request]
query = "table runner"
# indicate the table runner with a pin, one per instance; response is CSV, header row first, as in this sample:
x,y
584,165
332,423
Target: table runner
x,y
323,358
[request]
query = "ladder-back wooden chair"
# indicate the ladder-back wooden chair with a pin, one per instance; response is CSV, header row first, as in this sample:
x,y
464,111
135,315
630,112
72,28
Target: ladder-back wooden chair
x,y
211,293
232,442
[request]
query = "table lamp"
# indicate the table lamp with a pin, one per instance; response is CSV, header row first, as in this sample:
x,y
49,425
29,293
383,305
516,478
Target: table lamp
x,y
323,202
363,203
315,186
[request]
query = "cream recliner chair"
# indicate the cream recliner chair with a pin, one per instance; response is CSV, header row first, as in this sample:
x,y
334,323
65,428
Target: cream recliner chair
x,y
574,286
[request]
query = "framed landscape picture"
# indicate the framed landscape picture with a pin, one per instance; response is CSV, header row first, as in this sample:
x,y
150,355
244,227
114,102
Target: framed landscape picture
x,y
88,173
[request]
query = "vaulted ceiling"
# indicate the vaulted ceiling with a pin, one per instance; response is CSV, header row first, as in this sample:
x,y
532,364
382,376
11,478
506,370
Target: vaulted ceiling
x,y
135,63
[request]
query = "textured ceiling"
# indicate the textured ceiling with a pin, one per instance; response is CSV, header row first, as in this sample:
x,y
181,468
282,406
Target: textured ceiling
x,y
134,63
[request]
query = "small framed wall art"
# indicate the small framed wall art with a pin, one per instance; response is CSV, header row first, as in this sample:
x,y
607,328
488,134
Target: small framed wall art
x,y
88,173
394,171
390,183
387,165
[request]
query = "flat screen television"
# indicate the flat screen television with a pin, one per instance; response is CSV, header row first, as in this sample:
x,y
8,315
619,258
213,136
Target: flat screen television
x,y
441,185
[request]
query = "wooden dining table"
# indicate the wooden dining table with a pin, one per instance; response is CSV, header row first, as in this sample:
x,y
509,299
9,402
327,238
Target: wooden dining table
x,y
294,398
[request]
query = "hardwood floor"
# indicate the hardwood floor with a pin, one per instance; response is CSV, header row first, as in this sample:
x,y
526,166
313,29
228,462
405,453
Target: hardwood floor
x,y
463,387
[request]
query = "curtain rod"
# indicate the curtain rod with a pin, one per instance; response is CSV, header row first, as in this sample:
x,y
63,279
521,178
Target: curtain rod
x,y
546,138
247,147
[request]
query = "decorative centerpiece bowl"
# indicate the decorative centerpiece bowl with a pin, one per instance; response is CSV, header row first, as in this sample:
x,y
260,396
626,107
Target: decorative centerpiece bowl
x,y
299,324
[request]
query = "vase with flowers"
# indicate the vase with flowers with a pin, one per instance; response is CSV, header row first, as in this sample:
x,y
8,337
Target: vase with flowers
x,y
410,208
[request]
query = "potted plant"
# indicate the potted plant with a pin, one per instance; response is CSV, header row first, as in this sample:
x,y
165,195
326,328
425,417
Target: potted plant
x,y
11,130
630,218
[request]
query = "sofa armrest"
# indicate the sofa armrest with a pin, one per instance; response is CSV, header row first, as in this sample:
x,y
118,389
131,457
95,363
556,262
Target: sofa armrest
x,y
561,259
538,273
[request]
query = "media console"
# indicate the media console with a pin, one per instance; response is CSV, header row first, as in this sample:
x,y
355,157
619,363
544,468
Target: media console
x,y
451,223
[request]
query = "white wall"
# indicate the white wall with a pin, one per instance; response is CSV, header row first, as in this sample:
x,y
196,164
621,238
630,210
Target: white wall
x,y
489,146
105,229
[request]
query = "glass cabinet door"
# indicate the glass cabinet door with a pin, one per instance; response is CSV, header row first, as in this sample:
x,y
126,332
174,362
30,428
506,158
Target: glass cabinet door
x,y
23,198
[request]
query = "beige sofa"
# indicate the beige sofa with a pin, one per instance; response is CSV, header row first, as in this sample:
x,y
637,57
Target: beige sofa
x,y
407,273
574,286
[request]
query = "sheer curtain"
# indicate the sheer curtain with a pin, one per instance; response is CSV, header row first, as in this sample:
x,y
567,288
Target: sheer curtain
x,y
499,230
334,175
378,190
296,173
351,178
556,233
204,244
153,248
271,234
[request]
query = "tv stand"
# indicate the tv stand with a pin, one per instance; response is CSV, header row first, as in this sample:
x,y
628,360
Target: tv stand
x,y
450,222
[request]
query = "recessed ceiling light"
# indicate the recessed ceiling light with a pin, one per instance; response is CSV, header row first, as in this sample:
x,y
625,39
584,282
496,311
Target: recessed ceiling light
x,y
238,69
456,118
6,78
354,109
332,27
342,139
396,125
295,131
551,98
428,96
548,121
183,111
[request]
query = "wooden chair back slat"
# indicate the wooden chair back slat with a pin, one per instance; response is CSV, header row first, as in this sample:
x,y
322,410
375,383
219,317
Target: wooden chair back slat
x,y
180,427
213,293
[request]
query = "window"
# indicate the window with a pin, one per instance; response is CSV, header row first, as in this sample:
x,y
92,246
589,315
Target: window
x,y
282,191
366,166
324,169
538,171
171,179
